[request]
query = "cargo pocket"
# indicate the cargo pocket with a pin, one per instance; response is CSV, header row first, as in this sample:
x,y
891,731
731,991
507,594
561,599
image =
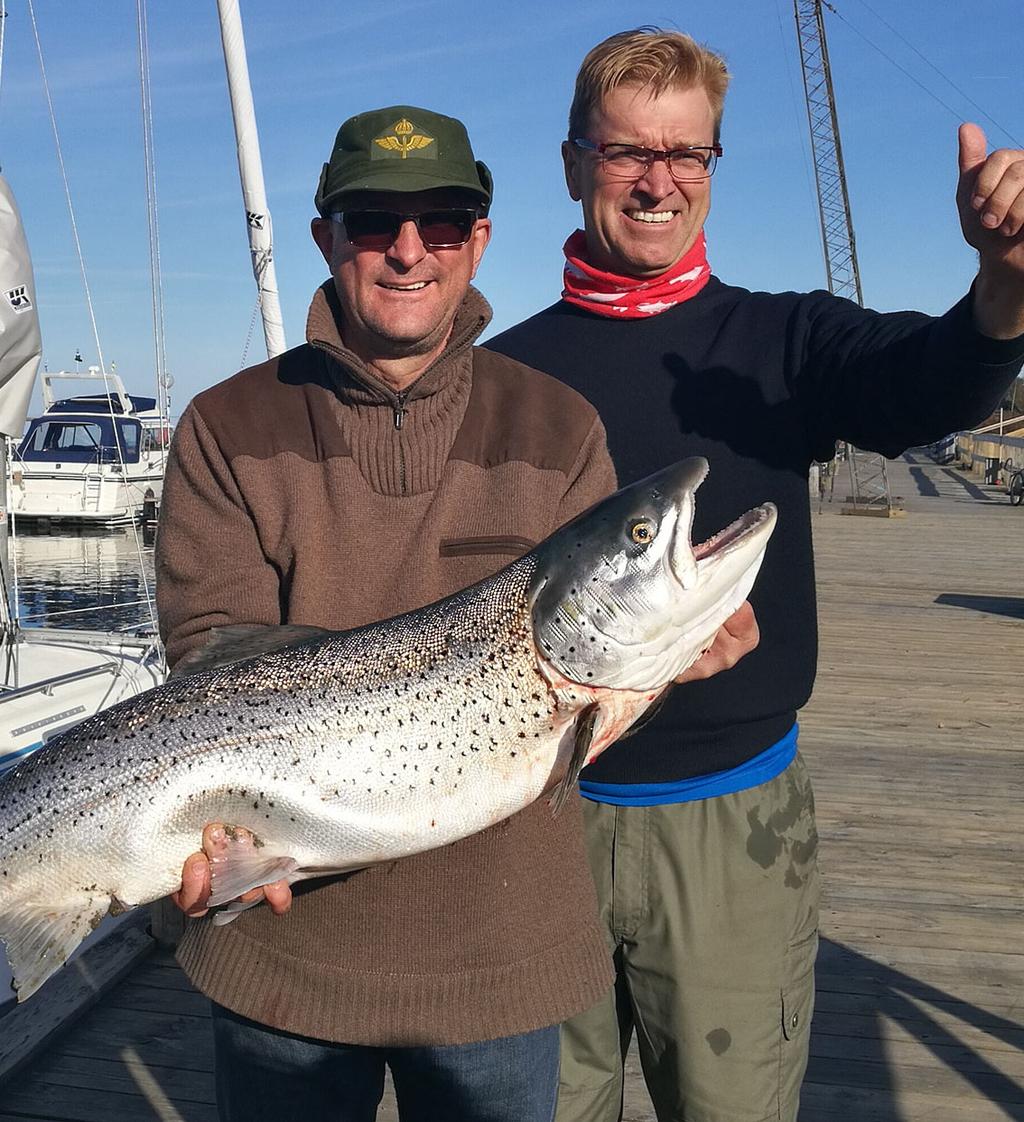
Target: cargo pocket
x,y
797,1010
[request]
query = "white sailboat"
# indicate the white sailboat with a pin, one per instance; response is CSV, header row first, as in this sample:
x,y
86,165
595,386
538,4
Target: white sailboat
x,y
50,678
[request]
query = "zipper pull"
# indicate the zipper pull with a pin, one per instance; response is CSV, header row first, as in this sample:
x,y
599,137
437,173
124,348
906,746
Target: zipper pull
x,y
400,411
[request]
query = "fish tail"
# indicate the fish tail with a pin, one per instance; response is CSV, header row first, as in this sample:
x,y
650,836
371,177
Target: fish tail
x,y
39,937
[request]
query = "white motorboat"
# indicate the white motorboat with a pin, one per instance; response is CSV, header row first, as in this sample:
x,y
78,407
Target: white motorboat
x,y
98,458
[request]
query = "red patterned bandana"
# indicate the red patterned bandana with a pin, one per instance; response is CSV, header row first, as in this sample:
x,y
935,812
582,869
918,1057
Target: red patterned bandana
x,y
629,297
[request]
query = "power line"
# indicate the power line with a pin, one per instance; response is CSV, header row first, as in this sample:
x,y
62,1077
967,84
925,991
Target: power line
x,y
924,58
917,82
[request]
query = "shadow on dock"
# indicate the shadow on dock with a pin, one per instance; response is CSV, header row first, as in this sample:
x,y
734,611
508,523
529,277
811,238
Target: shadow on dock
x,y
1012,606
864,1008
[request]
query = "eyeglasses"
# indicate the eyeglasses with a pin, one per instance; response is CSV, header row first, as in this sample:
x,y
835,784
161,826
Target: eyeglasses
x,y
379,229
629,161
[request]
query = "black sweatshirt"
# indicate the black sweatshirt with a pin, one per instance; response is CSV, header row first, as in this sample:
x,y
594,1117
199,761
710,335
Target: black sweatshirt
x,y
760,384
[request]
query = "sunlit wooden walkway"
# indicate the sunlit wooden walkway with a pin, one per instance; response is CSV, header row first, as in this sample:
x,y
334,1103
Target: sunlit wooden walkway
x,y
915,738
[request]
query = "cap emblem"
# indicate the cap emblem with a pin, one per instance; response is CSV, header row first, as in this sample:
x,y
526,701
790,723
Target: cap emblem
x,y
400,141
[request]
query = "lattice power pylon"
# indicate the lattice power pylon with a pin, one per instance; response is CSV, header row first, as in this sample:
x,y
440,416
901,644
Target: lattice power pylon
x,y
869,483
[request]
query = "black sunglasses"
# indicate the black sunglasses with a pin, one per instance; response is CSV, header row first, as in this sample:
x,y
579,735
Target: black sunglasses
x,y
378,229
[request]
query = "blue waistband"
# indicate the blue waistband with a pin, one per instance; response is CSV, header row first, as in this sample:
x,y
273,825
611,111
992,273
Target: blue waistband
x,y
758,769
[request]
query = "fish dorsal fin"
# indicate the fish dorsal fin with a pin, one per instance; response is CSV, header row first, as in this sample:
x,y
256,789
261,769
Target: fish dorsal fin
x,y
244,640
586,723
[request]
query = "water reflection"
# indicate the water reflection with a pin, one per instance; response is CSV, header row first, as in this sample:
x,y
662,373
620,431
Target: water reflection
x,y
83,578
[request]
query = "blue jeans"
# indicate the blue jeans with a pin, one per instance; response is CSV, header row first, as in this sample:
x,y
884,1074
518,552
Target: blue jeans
x,y
264,1075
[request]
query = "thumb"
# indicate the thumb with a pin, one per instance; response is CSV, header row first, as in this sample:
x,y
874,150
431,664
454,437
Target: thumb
x,y
973,147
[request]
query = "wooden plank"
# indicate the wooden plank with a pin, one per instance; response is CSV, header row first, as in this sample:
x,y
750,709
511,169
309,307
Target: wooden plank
x,y
902,1051
820,1102
955,1016
30,1028
77,1104
132,997
170,1039
161,977
59,1068
977,1002
901,1079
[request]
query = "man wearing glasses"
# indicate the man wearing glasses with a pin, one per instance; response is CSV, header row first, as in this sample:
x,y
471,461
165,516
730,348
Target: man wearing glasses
x,y
701,828
382,465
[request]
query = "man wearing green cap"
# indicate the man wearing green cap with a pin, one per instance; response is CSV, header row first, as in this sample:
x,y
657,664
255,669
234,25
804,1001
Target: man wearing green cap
x,y
383,464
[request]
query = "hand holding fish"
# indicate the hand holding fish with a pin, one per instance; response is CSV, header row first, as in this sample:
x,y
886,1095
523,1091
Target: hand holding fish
x,y
990,199
194,893
737,637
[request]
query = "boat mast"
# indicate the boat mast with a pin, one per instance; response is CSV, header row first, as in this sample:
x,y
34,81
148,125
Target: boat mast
x,y
250,168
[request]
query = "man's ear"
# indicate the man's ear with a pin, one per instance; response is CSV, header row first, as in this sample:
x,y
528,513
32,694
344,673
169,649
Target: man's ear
x,y
481,238
570,161
323,233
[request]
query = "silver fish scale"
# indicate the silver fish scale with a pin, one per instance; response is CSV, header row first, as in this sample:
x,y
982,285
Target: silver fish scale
x,y
356,748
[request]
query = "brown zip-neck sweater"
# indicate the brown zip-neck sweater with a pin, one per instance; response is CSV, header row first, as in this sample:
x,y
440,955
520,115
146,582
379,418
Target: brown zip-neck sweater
x,y
305,490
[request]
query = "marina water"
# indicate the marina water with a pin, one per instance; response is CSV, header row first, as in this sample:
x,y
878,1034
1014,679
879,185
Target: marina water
x,y
86,579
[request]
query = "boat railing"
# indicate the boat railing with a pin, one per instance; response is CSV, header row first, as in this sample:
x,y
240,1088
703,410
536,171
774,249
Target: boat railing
x,y
64,613
47,685
111,382
79,638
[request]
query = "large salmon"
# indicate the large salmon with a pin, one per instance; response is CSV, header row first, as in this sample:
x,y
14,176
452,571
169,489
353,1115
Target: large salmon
x,y
362,746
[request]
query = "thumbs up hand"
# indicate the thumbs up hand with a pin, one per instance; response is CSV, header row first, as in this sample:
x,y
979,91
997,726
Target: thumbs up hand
x,y
990,199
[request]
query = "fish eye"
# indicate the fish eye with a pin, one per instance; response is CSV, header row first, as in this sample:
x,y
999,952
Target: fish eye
x,y
642,531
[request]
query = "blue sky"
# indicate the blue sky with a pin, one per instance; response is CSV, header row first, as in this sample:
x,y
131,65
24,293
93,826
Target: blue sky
x,y
506,70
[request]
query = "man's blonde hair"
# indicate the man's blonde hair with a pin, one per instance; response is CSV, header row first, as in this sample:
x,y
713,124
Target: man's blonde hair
x,y
650,58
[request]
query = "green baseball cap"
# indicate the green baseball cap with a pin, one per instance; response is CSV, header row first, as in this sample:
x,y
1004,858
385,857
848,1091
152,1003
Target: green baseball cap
x,y
401,148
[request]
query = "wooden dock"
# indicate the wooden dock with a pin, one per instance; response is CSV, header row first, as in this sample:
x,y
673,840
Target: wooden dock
x,y
915,739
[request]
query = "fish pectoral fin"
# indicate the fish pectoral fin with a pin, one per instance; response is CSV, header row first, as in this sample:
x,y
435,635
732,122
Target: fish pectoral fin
x,y
240,867
40,937
235,907
583,734
233,911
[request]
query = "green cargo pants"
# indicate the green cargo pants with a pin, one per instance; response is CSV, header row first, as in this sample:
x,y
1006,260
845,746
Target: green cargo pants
x,y
711,910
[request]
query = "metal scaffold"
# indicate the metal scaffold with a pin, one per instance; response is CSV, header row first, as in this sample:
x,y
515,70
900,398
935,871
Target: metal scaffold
x,y
869,483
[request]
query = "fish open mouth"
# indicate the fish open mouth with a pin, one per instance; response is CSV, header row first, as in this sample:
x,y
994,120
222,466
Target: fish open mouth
x,y
736,533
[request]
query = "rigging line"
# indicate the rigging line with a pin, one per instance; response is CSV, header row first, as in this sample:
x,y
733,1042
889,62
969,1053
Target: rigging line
x,y
957,115
941,74
3,28
67,189
74,231
156,275
65,612
252,328
156,283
